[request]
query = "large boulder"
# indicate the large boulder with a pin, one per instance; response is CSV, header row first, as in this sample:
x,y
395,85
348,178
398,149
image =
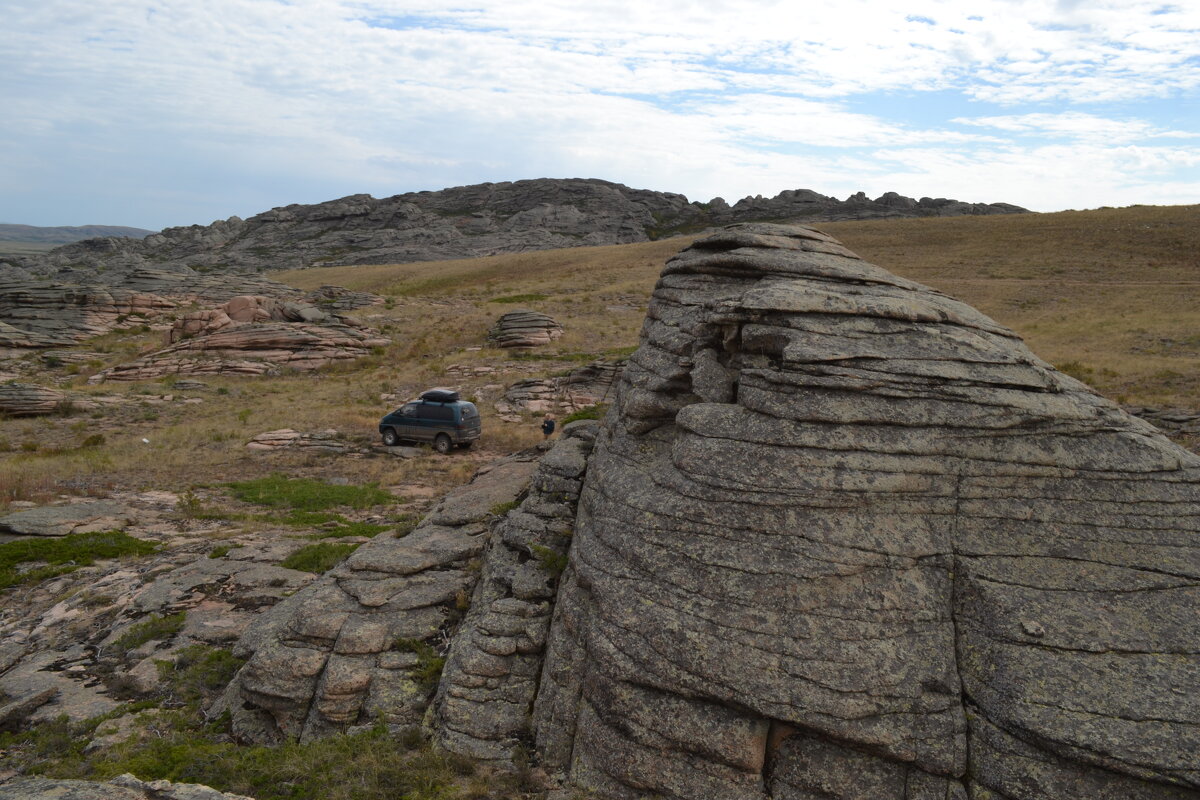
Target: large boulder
x,y
843,536
28,400
524,328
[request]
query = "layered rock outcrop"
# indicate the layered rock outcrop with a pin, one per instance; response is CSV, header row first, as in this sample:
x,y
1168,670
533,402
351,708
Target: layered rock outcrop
x,y
843,536
581,387
28,400
461,222
249,350
524,328
362,643
38,314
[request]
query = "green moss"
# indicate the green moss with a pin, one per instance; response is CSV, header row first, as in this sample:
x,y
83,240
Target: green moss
x,y
318,558
63,554
305,494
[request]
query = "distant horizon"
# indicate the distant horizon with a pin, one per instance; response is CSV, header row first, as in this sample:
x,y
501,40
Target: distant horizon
x,y
731,201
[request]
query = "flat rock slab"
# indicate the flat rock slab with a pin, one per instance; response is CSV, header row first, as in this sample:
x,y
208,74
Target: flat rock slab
x,y
101,515
123,787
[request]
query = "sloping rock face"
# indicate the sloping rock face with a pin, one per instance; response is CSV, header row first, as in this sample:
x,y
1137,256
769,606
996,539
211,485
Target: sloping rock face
x,y
462,222
495,659
844,537
123,787
359,645
524,328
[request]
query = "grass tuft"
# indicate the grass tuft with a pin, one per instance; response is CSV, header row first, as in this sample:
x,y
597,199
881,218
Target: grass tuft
x,y
318,558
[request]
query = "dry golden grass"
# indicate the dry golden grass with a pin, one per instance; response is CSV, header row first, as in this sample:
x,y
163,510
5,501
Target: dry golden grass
x,y
1112,295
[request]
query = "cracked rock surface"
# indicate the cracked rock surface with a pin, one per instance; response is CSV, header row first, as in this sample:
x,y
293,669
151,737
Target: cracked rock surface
x,y
326,659
843,536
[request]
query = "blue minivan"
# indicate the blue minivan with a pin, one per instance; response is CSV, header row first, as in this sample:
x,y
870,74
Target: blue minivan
x,y
438,417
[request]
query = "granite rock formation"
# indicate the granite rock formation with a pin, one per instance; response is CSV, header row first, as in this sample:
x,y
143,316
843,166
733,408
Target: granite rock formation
x,y
845,537
462,222
361,643
494,663
27,400
221,347
582,387
76,305
524,328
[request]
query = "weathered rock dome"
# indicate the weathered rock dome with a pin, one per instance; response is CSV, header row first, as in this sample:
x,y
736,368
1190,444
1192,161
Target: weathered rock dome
x,y
843,536
840,536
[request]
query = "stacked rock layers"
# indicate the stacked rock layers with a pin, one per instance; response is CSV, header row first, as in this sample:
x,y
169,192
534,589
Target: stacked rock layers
x,y
843,536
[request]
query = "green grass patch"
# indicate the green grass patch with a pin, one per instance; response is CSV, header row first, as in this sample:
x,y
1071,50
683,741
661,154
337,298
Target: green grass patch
x,y
428,671
198,673
64,554
530,297
318,558
372,765
588,412
306,494
155,627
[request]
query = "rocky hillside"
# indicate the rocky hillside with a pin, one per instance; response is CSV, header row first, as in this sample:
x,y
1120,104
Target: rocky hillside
x,y
67,234
461,222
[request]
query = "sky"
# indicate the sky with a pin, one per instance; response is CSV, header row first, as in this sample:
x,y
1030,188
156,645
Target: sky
x,y
176,112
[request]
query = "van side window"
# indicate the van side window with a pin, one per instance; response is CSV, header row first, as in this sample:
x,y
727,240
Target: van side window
x,y
409,410
437,412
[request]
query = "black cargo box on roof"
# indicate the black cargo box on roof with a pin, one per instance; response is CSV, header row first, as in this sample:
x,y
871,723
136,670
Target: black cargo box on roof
x,y
440,396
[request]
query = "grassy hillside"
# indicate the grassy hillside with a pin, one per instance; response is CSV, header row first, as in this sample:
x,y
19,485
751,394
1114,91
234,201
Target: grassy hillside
x,y
1110,296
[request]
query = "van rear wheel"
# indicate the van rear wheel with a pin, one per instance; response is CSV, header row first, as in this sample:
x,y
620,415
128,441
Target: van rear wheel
x,y
442,443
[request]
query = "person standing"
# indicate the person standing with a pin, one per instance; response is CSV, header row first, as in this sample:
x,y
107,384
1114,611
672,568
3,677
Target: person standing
x,y
547,427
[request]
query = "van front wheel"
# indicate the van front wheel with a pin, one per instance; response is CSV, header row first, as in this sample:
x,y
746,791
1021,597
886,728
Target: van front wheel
x,y
390,438
442,443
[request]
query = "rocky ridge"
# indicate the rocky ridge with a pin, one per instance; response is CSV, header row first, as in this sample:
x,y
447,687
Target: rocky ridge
x,y
460,222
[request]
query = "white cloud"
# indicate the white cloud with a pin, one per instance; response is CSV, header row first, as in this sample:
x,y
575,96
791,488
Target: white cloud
x,y
255,98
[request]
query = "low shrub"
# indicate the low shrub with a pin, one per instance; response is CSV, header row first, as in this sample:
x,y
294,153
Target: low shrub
x,y
428,671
